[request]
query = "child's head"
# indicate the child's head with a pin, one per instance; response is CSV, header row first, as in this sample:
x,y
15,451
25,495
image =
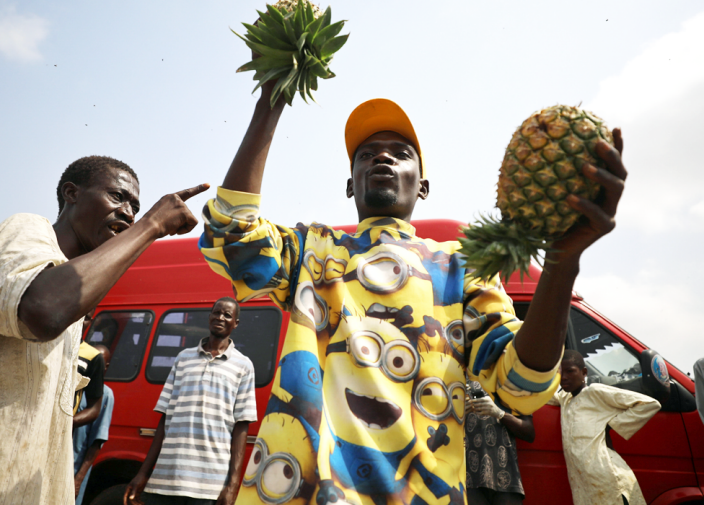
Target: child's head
x,y
573,371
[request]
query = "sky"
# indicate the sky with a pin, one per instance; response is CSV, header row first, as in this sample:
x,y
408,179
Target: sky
x,y
154,84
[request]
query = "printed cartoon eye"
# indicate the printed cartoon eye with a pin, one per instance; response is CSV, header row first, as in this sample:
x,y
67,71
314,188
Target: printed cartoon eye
x,y
433,398
454,333
255,461
313,265
457,393
400,361
277,478
383,273
366,348
334,269
311,304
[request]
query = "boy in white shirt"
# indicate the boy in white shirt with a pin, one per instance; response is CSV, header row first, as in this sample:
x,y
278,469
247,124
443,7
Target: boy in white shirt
x,y
597,473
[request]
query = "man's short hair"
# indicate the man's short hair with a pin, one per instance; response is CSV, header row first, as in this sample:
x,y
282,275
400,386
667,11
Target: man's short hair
x,y
228,299
574,358
83,170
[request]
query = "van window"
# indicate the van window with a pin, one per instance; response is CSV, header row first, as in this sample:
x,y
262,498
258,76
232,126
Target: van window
x,y
125,333
257,337
607,360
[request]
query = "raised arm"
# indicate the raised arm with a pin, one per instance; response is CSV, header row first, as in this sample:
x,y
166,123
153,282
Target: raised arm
x,y
541,339
247,169
61,295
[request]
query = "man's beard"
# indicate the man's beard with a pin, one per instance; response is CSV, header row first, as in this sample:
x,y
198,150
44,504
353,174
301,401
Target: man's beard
x,y
380,198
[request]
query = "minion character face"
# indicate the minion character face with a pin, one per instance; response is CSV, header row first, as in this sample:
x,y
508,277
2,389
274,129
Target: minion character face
x,y
368,396
396,275
438,405
282,466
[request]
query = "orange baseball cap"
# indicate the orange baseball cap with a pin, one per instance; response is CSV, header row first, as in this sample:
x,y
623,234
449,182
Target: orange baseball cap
x,y
379,115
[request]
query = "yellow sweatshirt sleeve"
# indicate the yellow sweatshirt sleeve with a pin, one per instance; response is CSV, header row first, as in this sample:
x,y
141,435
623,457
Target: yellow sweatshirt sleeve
x,y
259,257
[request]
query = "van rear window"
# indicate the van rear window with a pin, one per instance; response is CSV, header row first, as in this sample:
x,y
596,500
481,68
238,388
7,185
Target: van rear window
x,y
125,333
257,337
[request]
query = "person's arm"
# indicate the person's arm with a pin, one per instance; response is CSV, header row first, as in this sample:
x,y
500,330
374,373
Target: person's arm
x,y
520,427
88,414
540,342
63,294
239,443
137,484
247,169
88,460
636,409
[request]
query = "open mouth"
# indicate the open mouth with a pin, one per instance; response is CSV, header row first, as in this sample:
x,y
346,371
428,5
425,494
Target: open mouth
x,y
117,227
381,172
374,412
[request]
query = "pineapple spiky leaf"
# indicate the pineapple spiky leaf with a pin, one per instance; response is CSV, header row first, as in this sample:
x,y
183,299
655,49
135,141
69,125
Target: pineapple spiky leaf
x,y
491,246
296,42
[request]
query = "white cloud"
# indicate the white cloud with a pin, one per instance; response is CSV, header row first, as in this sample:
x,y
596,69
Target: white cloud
x,y
21,34
655,308
658,99
666,69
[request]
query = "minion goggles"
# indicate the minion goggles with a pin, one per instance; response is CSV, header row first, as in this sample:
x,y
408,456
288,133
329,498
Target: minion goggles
x,y
271,488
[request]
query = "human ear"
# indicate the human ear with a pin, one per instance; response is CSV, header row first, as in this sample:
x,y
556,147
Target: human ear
x,y
350,189
69,191
424,189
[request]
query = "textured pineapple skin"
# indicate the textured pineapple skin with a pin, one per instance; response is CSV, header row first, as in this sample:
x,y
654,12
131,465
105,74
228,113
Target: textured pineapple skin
x,y
543,165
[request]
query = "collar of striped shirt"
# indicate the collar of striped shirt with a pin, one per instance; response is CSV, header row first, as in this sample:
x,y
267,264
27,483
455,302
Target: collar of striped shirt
x,y
227,354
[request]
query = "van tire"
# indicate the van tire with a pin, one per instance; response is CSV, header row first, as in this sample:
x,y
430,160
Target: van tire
x,y
111,496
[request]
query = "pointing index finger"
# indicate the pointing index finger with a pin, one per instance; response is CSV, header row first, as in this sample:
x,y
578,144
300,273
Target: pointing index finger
x,y
185,194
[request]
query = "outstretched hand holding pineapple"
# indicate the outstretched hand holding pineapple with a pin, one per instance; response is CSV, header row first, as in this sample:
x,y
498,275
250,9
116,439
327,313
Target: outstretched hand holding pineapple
x,y
599,215
553,163
559,187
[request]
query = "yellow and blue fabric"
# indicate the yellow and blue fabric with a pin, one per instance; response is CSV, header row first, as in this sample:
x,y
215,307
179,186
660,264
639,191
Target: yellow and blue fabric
x,y
368,399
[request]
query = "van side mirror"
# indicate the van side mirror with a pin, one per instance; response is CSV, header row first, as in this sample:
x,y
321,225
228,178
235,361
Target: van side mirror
x,y
656,379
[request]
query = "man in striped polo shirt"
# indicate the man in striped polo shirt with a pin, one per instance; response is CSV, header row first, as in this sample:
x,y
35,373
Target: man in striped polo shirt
x,y
207,404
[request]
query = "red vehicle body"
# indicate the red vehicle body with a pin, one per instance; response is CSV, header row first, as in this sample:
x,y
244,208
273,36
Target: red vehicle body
x,y
170,286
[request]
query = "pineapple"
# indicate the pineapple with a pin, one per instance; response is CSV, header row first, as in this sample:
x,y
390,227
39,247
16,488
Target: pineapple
x,y
541,167
296,42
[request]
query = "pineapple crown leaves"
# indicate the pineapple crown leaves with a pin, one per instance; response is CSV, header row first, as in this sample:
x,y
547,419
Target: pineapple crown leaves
x,y
492,246
296,45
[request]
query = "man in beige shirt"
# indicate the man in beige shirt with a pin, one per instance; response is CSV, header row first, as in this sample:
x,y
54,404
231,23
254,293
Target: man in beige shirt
x,y
597,474
50,277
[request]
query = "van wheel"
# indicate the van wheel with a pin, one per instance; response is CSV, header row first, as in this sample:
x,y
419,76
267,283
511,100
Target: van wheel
x,y
111,496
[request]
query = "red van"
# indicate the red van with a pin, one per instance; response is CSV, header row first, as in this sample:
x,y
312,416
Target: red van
x,y
161,305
